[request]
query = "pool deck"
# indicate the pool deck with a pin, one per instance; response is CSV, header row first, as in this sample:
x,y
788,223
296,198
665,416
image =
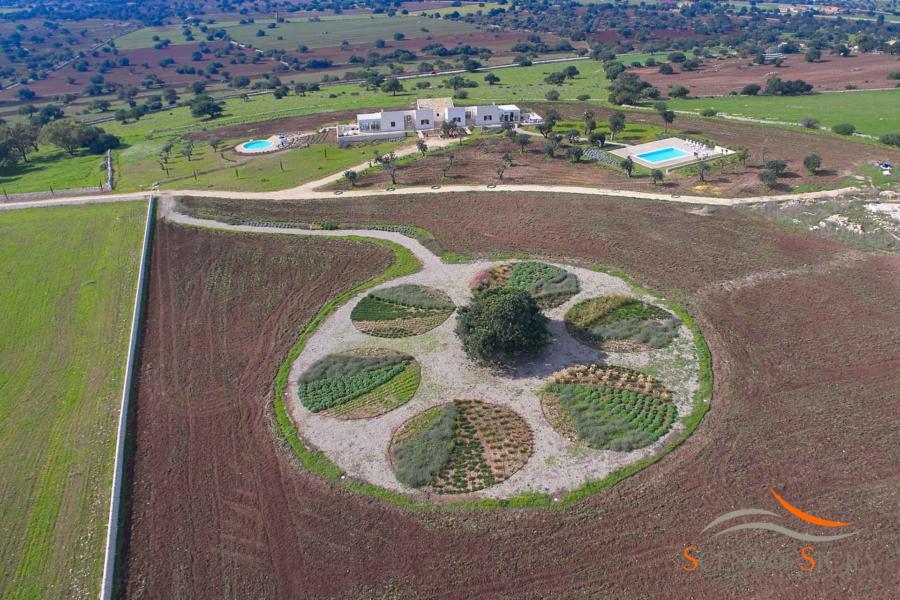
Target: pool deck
x,y
274,147
694,153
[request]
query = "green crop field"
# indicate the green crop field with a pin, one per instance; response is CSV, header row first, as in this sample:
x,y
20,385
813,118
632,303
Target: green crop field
x,y
67,285
355,29
143,38
873,112
52,169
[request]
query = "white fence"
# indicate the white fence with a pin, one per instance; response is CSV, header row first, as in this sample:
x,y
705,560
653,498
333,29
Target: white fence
x,y
112,531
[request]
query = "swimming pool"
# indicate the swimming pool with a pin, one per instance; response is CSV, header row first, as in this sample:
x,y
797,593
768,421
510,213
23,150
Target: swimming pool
x,y
258,145
662,155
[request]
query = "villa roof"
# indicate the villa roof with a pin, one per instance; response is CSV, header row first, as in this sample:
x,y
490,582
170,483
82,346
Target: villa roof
x,y
508,107
434,103
369,116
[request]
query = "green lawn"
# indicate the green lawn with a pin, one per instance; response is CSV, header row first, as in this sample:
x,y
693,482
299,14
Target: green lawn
x,y
53,168
143,38
67,285
139,167
873,112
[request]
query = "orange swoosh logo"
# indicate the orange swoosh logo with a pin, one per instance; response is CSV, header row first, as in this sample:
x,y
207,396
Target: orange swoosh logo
x,y
806,516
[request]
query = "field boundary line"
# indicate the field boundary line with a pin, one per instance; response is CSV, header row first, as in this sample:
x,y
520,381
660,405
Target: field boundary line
x,y
112,532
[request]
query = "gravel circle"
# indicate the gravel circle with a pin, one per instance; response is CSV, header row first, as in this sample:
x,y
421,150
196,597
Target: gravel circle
x,y
361,448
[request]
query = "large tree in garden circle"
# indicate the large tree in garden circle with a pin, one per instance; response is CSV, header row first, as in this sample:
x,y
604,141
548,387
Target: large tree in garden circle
x,y
500,325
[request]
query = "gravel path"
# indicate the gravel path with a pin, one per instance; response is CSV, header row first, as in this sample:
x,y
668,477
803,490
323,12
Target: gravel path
x,y
308,191
360,447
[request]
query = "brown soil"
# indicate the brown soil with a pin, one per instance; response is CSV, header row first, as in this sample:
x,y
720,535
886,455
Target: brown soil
x,y
214,500
803,337
721,77
478,162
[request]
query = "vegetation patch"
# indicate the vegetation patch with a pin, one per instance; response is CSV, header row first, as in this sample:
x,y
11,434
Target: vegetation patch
x,y
460,447
402,311
502,325
360,383
618,323
608,408
548,284
67,295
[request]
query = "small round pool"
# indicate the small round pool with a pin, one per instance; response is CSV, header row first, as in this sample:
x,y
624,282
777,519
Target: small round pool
x,y
258,145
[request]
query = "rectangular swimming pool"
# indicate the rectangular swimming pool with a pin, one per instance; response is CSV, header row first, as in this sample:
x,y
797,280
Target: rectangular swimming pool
x,y
662,155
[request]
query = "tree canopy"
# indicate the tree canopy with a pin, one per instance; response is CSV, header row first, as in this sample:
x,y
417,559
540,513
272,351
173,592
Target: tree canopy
x,y
502,324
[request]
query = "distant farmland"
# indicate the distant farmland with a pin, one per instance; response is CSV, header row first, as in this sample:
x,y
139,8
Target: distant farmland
x,y
355,29
67,290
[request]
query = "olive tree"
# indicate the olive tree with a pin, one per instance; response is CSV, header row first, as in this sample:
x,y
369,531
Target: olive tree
x,y
501,325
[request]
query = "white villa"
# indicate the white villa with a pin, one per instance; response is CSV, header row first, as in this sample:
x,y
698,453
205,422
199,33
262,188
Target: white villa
x,y
428,115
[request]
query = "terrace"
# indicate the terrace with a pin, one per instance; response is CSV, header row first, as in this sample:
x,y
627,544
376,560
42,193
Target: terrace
x,y
670,153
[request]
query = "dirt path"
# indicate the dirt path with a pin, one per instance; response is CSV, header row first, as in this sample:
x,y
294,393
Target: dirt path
x,y
308,192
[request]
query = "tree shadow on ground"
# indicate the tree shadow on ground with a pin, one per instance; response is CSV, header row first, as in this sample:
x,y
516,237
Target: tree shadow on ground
x,y
562,352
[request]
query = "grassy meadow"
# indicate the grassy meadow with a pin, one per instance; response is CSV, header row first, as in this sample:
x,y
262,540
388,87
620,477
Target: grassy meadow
x,y
872,112
270,172
67,285
331,31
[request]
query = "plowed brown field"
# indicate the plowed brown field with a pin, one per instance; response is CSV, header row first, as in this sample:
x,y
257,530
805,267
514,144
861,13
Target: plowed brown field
x,y
803,335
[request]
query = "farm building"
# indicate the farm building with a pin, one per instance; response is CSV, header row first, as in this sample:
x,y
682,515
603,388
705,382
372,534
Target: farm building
x,y
773,53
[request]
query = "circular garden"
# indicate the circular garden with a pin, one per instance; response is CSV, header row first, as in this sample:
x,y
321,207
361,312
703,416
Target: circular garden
x,y
620,323
402,311
548,284
359,383
608,408
460,447
414,440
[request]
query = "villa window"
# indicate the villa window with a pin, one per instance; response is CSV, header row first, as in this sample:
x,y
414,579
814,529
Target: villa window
x,y
425,122
393,123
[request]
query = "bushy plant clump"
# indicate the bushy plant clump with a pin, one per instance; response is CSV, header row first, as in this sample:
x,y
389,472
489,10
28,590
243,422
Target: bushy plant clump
x,y
502,324
612,418
416,296
460,447
656,334
608,319
427,445
548,284
402,311
339,378
542,280
386,397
